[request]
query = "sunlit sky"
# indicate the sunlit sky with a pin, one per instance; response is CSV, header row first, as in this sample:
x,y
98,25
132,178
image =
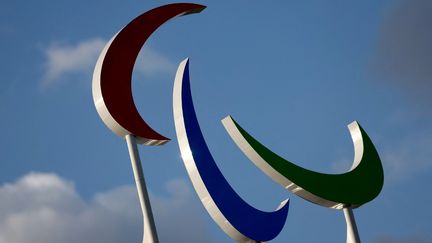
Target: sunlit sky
x,y
292,73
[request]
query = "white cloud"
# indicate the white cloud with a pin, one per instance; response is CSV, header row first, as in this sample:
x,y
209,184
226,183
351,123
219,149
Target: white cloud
x,y
404,48
67,59
151,63
64,60
44,208
407,157
403,161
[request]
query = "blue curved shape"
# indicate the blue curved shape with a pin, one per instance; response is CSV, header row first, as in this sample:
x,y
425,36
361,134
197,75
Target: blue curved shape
x,y
236,217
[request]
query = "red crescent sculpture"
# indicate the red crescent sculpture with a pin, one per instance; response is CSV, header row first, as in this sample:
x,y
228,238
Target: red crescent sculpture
x,y
112,77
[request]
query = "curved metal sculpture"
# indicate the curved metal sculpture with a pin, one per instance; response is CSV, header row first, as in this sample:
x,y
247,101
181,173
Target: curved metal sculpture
x,y
112,77
238,219
362,183
351,189
112,93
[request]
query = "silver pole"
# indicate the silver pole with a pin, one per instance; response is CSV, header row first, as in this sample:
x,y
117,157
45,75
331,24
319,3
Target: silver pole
x,y
150,234
352,232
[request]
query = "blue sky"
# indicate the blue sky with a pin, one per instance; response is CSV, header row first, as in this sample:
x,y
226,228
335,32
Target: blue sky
x,y
293,73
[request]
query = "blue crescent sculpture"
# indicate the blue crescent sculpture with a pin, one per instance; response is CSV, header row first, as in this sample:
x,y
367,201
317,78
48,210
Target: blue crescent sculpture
x,y
238,219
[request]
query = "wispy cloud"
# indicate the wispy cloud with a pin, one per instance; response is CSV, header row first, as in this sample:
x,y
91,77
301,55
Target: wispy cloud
x,y
404,47
151,62
407,158
41,207
402,158
63,61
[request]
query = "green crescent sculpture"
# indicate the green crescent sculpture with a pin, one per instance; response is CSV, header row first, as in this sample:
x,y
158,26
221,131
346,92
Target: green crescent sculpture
x,y
358,186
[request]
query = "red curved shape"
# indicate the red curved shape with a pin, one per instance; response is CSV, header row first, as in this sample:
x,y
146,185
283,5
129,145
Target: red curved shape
x,y
112,91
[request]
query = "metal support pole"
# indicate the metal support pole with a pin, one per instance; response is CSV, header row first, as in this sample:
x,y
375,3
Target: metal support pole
x,y
150,234
352,232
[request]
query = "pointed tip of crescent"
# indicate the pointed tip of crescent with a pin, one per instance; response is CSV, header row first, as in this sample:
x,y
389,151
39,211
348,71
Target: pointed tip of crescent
x,y
353,124
227,118
228,121
284,203
152,142
185,61
199,8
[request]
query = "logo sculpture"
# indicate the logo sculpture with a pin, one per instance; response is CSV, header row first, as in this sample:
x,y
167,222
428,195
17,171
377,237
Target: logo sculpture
x,y
112,94
345,191
237,218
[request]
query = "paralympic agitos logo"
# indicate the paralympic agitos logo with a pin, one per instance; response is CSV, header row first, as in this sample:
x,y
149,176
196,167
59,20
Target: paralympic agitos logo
x,y
113,99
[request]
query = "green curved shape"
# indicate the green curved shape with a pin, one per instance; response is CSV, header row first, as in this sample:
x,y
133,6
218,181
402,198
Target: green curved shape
x,y
351,189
